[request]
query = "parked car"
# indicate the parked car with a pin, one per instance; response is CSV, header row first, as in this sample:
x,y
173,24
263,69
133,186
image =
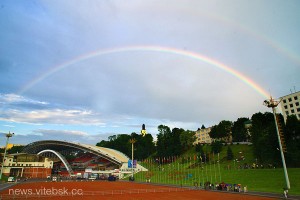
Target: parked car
x,y
11,179
112,178
103,177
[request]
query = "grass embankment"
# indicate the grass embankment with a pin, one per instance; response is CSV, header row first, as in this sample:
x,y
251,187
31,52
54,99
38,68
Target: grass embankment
x,y
187,174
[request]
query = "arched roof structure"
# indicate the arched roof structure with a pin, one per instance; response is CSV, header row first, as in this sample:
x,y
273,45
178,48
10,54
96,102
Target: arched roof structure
x,y
111,155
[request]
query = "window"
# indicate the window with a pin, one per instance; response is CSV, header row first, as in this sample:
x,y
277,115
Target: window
x,y
295,97
287,112
284,101
290,99
298,109
291,105
297,103
285,107
292,111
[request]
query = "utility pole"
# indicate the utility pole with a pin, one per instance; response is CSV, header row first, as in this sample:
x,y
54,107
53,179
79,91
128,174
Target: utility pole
x,y
273,104
8,135
132,141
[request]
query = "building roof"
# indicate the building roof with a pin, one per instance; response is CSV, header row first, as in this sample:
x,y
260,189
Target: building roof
x,y
112,155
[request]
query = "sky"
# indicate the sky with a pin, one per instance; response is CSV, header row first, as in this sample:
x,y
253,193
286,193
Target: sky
x,y
81,71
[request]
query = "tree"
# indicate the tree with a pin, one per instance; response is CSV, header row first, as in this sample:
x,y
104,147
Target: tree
x,y
144,145
187,138
229,153
198,148
216,147
222,130
176,147
214,132
168,142
239,132
164,134
264,138
292,139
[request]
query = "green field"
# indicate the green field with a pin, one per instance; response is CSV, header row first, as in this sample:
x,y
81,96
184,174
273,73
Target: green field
x,y
188,173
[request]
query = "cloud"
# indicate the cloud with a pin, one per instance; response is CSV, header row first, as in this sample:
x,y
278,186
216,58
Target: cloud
x,y
17,99
53,116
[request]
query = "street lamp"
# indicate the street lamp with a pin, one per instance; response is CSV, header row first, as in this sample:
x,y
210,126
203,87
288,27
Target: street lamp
x,y
132,141
273,104
8,135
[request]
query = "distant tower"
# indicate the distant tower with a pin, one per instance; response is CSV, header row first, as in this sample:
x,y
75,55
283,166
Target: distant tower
x,y
143,131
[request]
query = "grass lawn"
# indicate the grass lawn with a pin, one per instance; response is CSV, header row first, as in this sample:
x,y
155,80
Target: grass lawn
x,y
262,180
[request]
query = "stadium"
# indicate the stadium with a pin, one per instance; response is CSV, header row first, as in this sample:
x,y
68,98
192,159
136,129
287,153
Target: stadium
x,y
69,160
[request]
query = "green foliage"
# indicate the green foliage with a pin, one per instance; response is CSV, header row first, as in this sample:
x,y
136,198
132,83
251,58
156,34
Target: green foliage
x,y
15,149
173,143
239,132
222,130
216,147
178,141
163,141
199,148
292,138
229,153
144,146
187,138
264,138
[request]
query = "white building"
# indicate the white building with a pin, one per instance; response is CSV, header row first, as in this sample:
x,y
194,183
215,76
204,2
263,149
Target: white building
x,y
202,136
290,105
27,165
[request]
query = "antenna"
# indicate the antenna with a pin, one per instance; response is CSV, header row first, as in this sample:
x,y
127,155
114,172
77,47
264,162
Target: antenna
x,y
295,88
291,91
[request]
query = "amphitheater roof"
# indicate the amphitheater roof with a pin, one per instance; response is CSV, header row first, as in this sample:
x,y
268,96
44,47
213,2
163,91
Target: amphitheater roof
x,y
112,155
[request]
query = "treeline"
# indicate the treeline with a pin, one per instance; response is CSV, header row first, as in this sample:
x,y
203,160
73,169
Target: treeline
x,y
261,133
14,149
143,147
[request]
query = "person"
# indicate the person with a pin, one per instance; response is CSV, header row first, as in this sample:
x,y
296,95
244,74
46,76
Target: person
x,y
245,189
285,192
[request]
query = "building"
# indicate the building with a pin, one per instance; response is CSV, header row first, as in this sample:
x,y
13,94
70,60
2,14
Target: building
x,y
27,165
70,158
290,105
202,136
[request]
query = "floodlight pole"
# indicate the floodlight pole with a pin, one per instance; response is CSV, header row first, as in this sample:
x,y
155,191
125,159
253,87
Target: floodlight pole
x,y
132,141
8,135
273,104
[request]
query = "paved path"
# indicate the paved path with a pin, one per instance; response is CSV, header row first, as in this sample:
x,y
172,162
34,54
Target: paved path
x,y
4,186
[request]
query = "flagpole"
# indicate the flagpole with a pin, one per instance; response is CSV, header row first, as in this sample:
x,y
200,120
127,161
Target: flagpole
x,y
198,171
210,168
219,166
206,169
215,168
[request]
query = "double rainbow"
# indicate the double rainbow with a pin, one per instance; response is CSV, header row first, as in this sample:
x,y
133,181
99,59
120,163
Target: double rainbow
x,y
189,54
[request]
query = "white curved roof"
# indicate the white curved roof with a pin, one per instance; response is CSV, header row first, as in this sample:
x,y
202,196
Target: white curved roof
x,y
114,154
